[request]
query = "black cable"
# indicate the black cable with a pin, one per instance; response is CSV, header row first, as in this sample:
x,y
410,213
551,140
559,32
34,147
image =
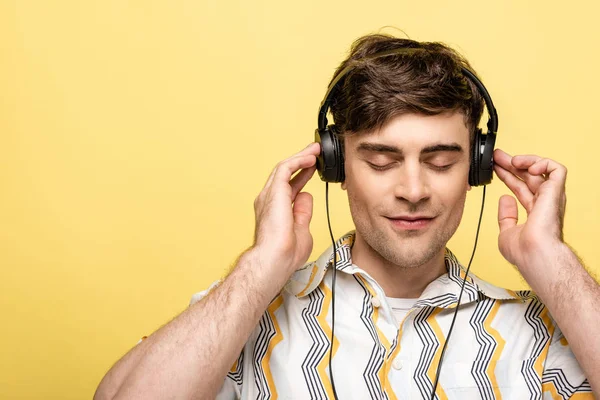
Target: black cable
x,y
332,287
437,374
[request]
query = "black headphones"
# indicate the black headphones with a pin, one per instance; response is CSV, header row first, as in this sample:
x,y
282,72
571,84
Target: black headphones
x,y
330,163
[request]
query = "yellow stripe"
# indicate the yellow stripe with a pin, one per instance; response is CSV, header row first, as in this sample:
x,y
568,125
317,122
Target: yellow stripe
x,y
310,280
539,363
436,358
348,241
386,344
582,396
234,367
388,364
382,371
272,343
462,274
321,319
563,341
549,387
487,325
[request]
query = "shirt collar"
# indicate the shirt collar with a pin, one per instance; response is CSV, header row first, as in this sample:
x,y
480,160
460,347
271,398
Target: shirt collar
x,y
442,292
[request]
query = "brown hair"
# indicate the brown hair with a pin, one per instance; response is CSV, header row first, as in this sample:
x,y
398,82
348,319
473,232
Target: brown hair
x,y
422,82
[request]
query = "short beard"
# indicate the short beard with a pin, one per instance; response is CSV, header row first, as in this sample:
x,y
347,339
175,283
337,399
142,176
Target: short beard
x,y
403,256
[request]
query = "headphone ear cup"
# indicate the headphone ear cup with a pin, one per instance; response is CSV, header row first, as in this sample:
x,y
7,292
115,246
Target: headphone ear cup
x,y
475,159
340,171
330,163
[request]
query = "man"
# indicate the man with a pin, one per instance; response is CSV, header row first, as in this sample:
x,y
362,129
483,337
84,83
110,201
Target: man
x,y
407,124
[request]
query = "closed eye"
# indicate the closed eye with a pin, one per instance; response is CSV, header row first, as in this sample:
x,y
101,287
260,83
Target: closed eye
x,y
441,167
380,167
388,166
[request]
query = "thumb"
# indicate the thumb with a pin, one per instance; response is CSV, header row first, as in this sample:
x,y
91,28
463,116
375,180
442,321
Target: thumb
x,y
508,213
303,208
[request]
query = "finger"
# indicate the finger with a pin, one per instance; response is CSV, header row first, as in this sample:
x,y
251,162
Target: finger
x,y
302,209
524,161
513,164
508,212
313,148
301,178
554,171
282,173
517,186
285,170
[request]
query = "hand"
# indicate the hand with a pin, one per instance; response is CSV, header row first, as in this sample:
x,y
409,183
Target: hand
x,y
283,213
539,184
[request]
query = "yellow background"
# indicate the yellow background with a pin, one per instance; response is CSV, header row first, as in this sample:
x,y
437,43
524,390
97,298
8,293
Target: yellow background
x,y
135,135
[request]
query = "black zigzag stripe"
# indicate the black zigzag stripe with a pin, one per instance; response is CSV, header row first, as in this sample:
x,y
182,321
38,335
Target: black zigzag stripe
x,y
266,333
319,347
526,295
343,257
443,300
487,345
541,335
377,356
430,346
237,375
584,388
560,381
454,270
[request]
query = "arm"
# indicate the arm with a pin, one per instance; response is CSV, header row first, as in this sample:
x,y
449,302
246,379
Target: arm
x,y
190,356
546,262
573,299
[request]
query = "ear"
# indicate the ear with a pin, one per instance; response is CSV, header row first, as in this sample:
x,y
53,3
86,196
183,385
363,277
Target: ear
x,y
343,185
468,187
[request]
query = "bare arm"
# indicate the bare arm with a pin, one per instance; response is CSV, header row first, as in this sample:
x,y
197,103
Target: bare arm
x,y
573,299
190,356
546,262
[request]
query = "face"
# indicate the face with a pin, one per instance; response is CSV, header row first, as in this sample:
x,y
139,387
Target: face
x,y
415,166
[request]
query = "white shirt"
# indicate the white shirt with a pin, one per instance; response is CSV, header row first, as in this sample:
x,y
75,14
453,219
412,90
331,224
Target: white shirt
x,y
504,344
400,307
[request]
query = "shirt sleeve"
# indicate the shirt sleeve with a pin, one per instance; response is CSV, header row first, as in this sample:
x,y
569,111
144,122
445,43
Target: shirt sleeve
x,y
232,385
563,378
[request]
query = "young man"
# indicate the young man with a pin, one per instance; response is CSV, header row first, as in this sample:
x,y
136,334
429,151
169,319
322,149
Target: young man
x,y
407,124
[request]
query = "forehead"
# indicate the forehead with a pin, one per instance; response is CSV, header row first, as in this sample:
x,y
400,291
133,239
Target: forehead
x,y
417,131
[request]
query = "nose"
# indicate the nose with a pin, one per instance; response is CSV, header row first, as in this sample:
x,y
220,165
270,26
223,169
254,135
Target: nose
x,y
412,184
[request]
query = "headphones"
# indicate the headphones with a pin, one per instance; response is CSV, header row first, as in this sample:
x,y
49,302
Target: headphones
x,y
330,163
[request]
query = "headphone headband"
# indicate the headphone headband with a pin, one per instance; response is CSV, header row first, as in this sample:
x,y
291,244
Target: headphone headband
x,y
492,123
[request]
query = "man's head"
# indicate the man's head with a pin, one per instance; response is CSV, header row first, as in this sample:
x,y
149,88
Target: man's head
x,y
407,123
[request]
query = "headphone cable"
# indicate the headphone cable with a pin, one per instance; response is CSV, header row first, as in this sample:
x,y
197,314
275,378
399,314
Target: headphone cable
x,y
439,368
332,288
437,374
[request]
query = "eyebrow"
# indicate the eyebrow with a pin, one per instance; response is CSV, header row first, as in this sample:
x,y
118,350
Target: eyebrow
x,y
384,148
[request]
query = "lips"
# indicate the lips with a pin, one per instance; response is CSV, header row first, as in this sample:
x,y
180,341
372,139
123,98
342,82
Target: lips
x,y
412,222
411,217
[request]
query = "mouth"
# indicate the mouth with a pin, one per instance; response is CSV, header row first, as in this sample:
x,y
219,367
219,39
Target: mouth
x,y
410,222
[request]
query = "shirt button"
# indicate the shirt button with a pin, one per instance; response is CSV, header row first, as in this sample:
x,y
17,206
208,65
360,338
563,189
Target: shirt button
x,y
376,302
397,364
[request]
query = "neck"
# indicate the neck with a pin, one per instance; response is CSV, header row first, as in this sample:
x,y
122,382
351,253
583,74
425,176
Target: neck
x,y
396,281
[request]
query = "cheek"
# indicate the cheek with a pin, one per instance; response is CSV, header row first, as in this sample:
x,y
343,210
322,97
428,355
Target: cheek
x,y
455,183
451,190
364,192
368,185
455,203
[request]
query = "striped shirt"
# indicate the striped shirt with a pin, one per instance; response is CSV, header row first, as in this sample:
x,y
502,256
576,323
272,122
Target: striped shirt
x,y
504,344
